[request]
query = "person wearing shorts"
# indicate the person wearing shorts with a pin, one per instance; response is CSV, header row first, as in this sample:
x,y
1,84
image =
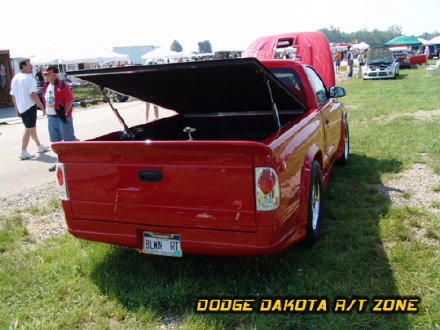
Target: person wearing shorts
x,y
26,100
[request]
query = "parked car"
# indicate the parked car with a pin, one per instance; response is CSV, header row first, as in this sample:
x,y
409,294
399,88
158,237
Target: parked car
x,y
239,170
380,64
407,58
73,82
417,59
401,56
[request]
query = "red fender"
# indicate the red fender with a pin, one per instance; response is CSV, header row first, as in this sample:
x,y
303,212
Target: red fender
x,y
314,153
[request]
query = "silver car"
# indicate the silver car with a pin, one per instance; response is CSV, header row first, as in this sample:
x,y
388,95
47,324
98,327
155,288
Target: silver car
x,y
380,64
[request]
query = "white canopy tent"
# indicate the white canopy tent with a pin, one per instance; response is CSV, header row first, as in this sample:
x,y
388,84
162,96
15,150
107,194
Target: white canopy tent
x,y
74,53
423,41
159,54
434,41
163,54
360,46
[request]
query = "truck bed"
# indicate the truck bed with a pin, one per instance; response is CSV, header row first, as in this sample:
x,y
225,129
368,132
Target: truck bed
x,y
215,128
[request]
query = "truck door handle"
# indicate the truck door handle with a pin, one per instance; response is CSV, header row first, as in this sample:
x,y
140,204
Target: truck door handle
x,y
150,175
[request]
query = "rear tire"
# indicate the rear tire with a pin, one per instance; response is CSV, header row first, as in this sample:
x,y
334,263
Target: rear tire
x,y
346,154
315,205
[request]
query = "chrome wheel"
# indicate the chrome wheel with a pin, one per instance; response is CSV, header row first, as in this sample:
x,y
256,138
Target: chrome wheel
x,y
343,159
316,203
346,143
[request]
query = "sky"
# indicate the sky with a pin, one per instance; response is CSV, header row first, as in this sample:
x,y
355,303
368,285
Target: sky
x,y
29,26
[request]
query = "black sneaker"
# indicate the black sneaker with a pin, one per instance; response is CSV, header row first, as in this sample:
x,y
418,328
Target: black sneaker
x,y
53,168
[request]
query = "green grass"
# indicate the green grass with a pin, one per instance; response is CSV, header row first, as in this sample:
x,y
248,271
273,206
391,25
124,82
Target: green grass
x,y
369,247
87,93
12,232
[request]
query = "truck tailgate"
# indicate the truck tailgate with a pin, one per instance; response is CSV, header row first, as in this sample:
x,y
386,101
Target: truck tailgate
x,y
197,184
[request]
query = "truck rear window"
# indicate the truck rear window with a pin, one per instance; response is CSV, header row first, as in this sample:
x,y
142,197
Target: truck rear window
x,y
290,79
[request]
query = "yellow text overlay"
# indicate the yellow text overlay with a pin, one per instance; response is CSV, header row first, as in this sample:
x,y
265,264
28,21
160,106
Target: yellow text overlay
x,y
309,305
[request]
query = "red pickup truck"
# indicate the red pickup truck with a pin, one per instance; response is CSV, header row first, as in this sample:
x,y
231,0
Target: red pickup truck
x,y
239,170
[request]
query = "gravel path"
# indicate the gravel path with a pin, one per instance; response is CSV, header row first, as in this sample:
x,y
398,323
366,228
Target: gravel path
x,y
39,226
417,186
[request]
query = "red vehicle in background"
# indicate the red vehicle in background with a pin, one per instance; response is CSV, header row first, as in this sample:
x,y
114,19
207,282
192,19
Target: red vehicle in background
x,y
310,48
406,57
239,170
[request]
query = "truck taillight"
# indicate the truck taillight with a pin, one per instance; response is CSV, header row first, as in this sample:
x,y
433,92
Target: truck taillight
x,y
267,189
61,176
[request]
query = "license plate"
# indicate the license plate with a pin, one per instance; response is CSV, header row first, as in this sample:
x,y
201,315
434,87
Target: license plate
x,y
162,244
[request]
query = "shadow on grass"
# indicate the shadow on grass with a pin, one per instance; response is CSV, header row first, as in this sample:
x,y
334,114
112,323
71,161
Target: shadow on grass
x,y
349,261
402,76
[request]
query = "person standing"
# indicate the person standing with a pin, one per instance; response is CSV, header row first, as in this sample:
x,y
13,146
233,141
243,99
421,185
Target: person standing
x,y
25,98
58,98
350,61
338,58
40,78
361,61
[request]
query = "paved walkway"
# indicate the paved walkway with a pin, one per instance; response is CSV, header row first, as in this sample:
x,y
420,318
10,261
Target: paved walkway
x,y
8,115
19,175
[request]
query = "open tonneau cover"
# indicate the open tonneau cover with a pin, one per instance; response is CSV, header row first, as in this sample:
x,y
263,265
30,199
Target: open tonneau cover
x,y
238,86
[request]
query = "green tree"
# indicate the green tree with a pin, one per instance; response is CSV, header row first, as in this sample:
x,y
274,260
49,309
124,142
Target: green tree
x,y
373,38
176,46
395,30
334,34
429,36
205,47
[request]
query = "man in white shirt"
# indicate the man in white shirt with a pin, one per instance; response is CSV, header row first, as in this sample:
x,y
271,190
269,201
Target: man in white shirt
x,y
26,100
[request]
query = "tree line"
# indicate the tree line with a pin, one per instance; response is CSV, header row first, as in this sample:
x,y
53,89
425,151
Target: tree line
x,y
204,47
334,34
373,38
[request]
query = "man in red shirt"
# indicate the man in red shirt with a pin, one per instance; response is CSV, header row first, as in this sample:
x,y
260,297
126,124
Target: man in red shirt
x,y
58,98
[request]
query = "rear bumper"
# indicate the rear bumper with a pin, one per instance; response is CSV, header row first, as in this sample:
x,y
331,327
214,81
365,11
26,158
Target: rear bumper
x,y
265,240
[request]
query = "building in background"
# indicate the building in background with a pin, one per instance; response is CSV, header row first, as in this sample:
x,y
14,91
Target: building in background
x,y
135,52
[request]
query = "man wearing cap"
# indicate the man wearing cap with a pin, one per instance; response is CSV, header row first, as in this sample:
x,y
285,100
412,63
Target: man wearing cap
x,y
26,100
59,99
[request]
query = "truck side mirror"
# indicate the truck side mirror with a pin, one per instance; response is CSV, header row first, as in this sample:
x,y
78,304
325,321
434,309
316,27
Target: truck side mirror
x,y
336,92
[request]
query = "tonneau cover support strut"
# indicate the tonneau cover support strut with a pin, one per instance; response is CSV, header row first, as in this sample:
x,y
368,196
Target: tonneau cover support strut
x,y
128,134
273,106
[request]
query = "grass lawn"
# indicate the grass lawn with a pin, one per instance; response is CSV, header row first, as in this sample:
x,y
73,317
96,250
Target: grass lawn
x,y
370,248
87,92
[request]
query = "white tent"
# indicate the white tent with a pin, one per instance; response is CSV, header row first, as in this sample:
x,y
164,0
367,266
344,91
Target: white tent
x,y
434,41
159,53
423,41
74,53
164,54
360,46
